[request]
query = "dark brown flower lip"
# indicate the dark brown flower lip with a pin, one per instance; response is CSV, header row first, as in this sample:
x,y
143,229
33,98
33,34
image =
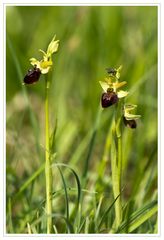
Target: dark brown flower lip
x,y
130,123
32,76
108,99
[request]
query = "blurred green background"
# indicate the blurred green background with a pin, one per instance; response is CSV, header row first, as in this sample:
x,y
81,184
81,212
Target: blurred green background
x,y
91,39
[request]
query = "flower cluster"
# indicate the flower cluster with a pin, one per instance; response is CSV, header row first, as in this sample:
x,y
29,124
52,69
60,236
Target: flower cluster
x,y
112,93
44,65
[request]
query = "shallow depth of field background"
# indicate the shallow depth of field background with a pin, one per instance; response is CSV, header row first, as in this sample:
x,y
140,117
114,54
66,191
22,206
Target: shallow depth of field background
x,y
91,39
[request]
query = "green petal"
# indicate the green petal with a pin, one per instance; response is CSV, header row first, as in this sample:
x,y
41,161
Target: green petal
x,y
129,107
122,94
119,84
118,72
45,66
45,70
127,114
35,62
52,47
108,80
130,116
44,54
104,85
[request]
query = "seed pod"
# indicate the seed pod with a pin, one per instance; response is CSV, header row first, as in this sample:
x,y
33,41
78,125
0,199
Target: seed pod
x,y
32,76
108,99
130,123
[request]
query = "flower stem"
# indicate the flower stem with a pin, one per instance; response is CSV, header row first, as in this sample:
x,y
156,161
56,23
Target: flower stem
x,y
48,169
116,162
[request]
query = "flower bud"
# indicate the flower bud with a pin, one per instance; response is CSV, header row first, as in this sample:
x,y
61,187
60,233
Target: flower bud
x,y
108,98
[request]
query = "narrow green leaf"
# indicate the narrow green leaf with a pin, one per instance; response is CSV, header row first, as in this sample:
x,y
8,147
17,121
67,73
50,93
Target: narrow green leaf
x,y
142,219
55,229
86,230
11,230
52,138
76,178
55,216
66,194
29,228
107,211
98,211
77,207
68,224
30,180
137,215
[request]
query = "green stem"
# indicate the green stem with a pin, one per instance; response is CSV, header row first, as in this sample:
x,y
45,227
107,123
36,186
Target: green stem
x,y
116,162
48,169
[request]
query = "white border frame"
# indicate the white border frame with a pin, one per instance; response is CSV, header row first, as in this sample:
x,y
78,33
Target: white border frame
x,y
3,108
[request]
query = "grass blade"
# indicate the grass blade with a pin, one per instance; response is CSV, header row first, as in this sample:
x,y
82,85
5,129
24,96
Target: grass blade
x,y
30,180
137,215
76,178
107,211
143,218
11,230
77,206
92,141
66,193
29,228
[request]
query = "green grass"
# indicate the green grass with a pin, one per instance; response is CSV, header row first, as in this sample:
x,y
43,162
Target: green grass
x,y
91,39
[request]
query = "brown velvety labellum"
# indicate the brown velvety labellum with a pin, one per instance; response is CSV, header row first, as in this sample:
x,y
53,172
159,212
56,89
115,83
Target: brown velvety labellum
x,y
108,99
130,123
32,76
